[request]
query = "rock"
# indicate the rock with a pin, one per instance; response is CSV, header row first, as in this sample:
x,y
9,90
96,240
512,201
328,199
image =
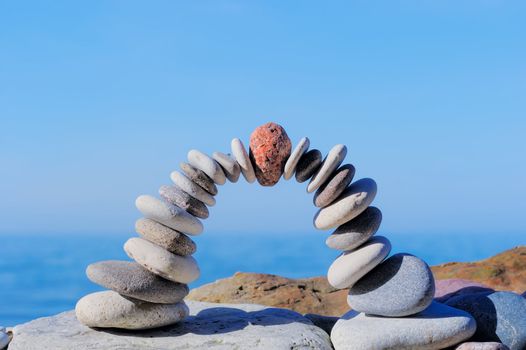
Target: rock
x,y
354,233
436,327
329,164
183,200
182,269
400,286
208,165
269,150
351,203
168,215
349,267
500,316
171,240
132,280
324,322
199,177
308,164
482,346
292,162
448,288
109,309
229,165
210,326
192,188
334,186
241,156
4,339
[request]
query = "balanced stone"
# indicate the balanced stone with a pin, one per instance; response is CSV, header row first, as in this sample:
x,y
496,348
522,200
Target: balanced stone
x,y
241,156
269,150
436,327
198,177
349,267
351,203
482,346
400,286
171,240
354,233
131,279
330,163
183,200
208,165
452,287
308,164
334,186
292,162
192,188
168,215
109,309
229,165
182,269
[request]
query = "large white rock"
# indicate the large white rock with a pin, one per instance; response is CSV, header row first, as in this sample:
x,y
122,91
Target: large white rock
x,y
208,165
210,326
240,154
330,163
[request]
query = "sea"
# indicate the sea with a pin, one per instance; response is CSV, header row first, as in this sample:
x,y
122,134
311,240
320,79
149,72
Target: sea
x,y
44,274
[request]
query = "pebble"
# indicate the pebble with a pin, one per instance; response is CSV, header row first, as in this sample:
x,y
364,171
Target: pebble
x,y
229,165
208,165
292,162
4,339
437,327
329,164
168,215
351,203
171,240
109,309
349,267
448,288
354,233
334,186
192,188
402,285
482,346
182,269
198,177
500,317
183,200
308,164
241,156
131,279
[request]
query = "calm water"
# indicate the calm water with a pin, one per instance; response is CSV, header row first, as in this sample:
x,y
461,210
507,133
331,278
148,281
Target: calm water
x,y
44,275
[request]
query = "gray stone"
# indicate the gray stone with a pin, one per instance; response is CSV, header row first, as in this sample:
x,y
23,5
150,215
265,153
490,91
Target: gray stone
x,y
324,322
192,188
437,327
241,156
400,286
354,233
334,186
330,163
4,339
229,165
208,165
171,240
482,346
294,158
183,200
198,177
308,164
209,326
132,280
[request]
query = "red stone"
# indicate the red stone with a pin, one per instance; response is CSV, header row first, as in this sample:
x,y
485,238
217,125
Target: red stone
x,y
270,148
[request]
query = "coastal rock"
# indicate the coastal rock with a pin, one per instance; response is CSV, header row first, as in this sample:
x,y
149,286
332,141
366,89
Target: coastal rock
x,y
208,165
308,164
229,166
448,288
199,177
171,240
330,163
269,150
292,162
354,233
4,339
436,327
241,156
183,200
482,346
334,186
192,188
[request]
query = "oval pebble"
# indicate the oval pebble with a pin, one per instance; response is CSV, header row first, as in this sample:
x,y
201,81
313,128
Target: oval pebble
x,y
229,165
354,233
241,156
198,177
171,240
330,163
192,188
308,164
292,162
183,200
208,165
482,346
334,186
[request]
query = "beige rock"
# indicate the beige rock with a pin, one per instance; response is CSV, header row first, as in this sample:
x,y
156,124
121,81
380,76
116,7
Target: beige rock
x,y
240,154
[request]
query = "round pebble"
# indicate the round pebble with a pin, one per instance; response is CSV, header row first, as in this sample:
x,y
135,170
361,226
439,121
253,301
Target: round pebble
x,y
229,165
183,200
308,164
330,163
171,240
241,156
208,165
192,188
334,186
198,177
354,233
292,162
482,346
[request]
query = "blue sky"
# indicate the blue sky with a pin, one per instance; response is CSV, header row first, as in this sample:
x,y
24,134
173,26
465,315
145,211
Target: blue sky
x,y
100,101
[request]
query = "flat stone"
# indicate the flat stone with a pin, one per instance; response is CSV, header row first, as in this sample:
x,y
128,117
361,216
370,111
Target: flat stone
x,y
349,267
482,346
168,214
131,279
241,156
182,269
308,164
208,165
334,186
354,233
109,309
448,288
183,200
500,317
171,240
269,150
436,327
229,165
294,158
192,188
209,326
199,177
4,339
330,163
400,286
351,203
